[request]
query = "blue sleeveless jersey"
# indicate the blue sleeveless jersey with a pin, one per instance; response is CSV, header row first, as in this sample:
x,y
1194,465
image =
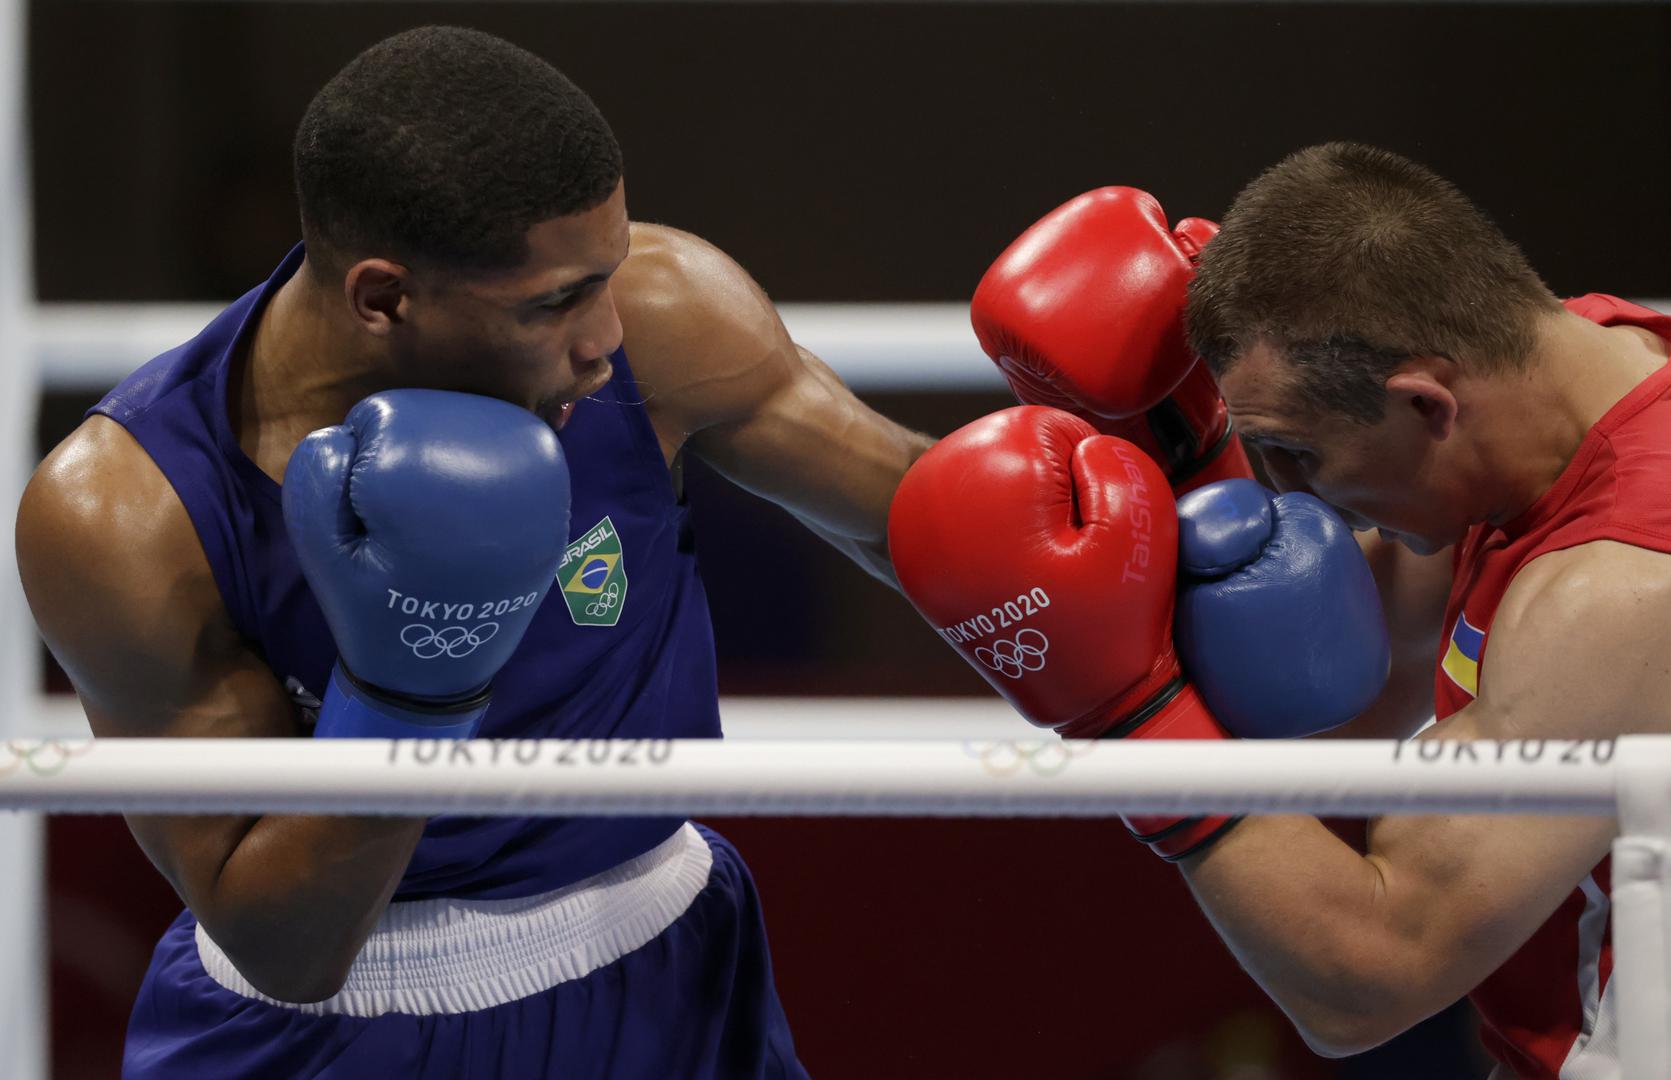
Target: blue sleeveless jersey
x,y
622,648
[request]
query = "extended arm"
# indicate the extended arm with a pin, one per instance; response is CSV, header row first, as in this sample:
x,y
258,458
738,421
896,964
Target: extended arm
x,y
724,379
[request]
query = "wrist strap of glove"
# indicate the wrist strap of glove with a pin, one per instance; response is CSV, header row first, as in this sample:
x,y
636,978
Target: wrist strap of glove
x,y
1176,711
353,709
1225,460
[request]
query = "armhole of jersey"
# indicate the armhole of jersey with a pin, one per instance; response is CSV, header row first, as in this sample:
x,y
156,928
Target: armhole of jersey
x,y
639,428
213,529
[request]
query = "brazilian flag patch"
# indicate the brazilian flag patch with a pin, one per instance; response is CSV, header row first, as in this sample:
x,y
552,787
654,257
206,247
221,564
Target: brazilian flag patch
x,y
593,577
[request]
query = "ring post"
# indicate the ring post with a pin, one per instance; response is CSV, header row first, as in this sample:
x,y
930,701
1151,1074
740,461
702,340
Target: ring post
x,y
22,863
1641,917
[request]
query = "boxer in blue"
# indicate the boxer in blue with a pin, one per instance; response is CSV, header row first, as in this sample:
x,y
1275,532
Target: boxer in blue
x,y
242,539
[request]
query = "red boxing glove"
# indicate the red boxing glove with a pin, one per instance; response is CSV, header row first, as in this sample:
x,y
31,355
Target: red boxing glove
x,y
1085,312
1047,555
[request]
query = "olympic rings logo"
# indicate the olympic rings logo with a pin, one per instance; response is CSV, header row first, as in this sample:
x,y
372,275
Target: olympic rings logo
x,y
1043,758
428,643
605,602
47,758
1012,659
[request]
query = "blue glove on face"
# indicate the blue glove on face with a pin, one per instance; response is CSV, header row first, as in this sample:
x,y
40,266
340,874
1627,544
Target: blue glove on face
x,y
429,525
1278,622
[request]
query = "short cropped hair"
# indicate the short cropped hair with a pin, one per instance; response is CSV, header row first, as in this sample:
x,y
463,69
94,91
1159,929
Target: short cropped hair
x,y
1348,260
444,146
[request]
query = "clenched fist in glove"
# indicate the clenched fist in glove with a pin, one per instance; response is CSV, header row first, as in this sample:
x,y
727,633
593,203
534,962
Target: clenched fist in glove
x,y
1084,312
1278,620
1048,556
429,525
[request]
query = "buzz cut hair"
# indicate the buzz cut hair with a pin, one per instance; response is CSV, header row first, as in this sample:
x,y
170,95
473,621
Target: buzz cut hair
x,y
443,146
1348,260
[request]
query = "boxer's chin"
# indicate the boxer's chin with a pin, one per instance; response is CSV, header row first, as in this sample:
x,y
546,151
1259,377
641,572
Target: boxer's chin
x,y
1417,545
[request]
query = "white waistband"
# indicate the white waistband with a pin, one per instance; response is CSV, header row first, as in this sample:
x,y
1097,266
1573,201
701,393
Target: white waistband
x,y
455,956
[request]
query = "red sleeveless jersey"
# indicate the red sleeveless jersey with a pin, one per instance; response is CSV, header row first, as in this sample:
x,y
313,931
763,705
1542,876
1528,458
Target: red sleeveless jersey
x,y
1548,1011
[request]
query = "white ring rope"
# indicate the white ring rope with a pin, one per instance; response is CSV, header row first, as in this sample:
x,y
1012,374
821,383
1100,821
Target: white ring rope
x,y
871,346
1040,778
1629,777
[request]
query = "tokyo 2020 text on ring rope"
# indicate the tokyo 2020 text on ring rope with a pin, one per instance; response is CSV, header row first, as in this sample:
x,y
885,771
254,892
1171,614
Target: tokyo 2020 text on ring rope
x,y
1629,778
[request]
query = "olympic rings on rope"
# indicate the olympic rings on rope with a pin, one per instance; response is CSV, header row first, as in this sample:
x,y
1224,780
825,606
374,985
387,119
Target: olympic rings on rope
x,y
1046,757
46,758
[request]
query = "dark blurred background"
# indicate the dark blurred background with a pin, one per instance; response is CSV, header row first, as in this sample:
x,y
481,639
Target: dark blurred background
x,y
865,152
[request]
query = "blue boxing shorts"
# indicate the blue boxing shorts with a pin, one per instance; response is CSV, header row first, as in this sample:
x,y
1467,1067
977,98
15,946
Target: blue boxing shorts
x,y
657,968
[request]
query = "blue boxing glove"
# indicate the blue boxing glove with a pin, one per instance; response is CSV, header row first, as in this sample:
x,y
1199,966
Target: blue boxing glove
x,y
429,525
1278,622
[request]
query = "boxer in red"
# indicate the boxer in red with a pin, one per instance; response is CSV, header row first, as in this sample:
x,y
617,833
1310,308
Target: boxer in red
x,y
1504,457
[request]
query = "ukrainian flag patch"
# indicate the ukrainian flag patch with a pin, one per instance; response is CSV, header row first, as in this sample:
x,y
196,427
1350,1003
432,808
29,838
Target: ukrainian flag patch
x,y
1462,658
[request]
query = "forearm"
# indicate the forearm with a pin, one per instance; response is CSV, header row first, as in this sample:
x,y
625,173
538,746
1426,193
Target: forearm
x,y
1308,918
870,555
298,896
861,534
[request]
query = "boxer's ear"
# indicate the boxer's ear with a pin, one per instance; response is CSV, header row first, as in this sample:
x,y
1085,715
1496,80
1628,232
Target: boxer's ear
x,y
377,292
1422,386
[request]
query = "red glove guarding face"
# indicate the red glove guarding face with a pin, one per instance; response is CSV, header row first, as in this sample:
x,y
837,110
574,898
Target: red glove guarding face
x,y
1047,555
1084,312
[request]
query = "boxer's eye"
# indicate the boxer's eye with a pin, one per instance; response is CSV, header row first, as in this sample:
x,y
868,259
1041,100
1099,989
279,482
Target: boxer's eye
x,y
573,299
1302,460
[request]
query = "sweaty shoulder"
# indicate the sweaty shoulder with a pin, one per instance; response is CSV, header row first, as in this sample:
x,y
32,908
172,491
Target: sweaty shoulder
x,y
97,501
698,329
112,567
1578,645
674,279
